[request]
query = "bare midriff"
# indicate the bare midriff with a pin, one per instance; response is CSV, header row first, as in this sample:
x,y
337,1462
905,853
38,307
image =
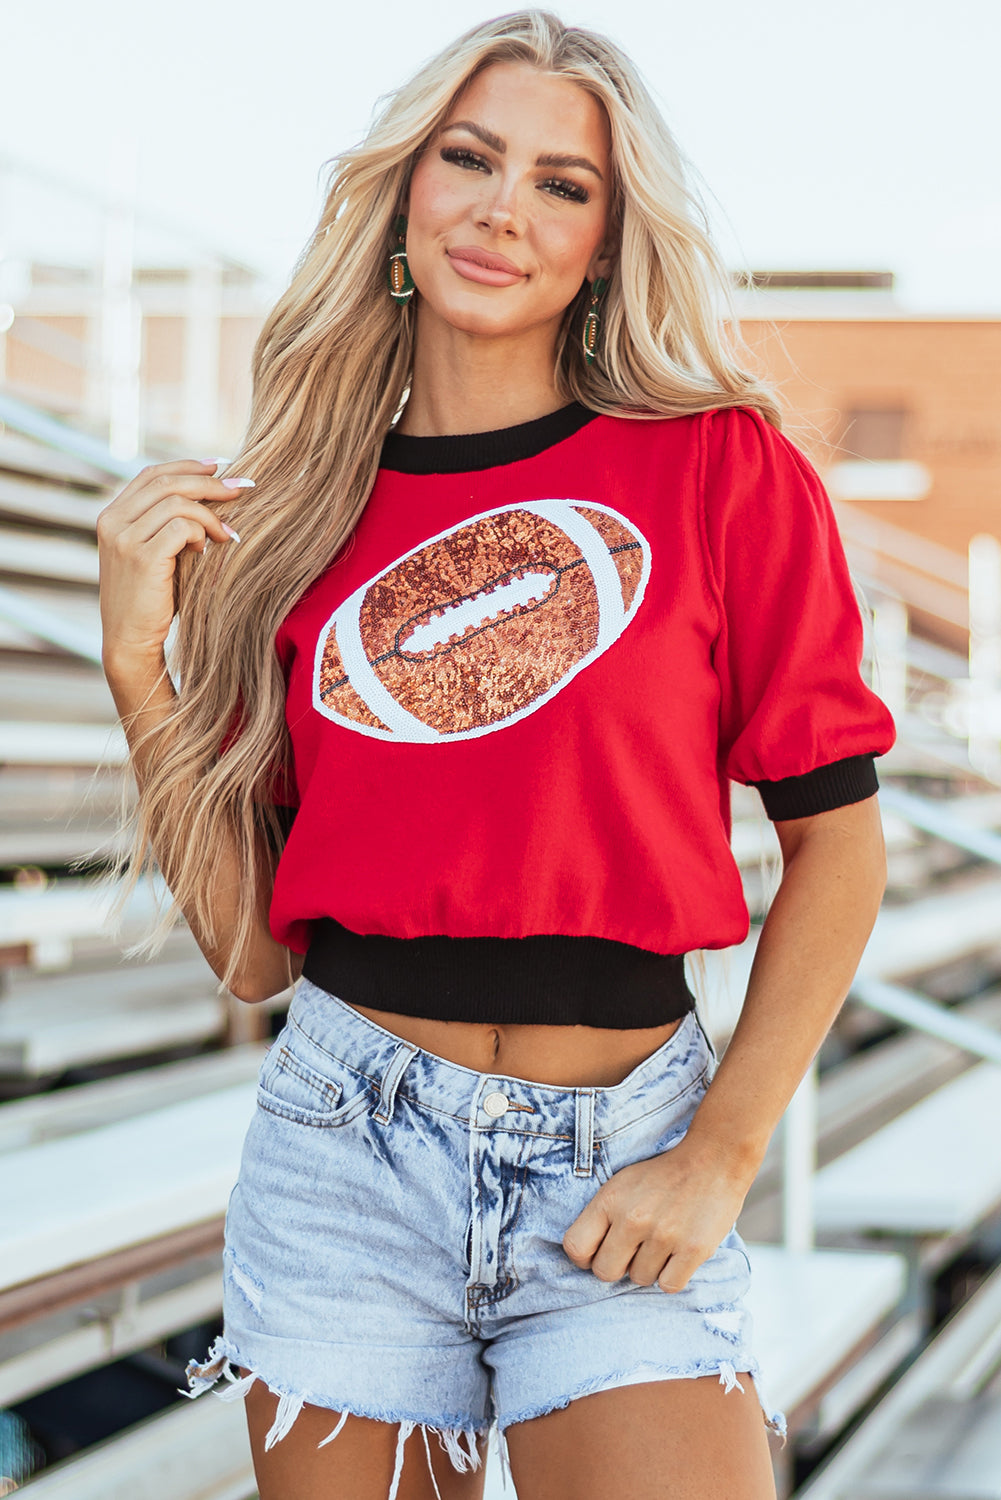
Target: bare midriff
x,y
566,1056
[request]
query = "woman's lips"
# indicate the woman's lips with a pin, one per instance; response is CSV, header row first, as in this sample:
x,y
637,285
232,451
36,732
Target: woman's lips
x,y
478,265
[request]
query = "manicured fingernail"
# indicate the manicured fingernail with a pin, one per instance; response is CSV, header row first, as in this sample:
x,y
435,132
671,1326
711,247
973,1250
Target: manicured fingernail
x,y
221,461
230,532
239,484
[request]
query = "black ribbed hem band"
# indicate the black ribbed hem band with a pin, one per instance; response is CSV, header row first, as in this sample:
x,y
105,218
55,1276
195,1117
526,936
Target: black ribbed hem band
x,y
543,979
467,451
842,782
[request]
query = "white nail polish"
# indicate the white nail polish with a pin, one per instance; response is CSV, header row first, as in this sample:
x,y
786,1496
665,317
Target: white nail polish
x,y
239,484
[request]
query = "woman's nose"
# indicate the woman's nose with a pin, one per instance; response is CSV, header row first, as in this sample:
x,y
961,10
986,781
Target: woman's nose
x,y
502,210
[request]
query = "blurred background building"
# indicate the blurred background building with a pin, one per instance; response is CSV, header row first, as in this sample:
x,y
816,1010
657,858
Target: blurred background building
x,y
141,338
899,409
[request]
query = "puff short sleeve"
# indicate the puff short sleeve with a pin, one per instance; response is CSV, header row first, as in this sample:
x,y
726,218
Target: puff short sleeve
x,y
796,718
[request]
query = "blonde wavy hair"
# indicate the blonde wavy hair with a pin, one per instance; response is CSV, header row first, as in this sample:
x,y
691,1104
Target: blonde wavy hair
x,y
331,369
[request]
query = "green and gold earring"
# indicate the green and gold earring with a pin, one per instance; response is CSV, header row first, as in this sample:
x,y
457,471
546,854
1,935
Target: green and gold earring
x,y
401,283
592,322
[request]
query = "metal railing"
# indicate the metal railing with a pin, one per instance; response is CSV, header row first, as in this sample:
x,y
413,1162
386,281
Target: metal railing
x,y
33,422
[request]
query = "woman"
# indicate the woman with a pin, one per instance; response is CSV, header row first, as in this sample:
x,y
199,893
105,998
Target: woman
x,y
489,673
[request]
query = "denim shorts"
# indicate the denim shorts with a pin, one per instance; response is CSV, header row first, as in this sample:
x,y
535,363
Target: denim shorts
x,y
393,1244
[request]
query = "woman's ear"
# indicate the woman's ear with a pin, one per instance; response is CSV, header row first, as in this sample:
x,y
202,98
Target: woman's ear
x,y
601,264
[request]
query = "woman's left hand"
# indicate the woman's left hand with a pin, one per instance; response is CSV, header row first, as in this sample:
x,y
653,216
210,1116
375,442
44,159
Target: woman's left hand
x,y
657,1220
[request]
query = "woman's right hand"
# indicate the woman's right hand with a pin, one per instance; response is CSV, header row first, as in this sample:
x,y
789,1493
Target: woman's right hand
x,y
158,515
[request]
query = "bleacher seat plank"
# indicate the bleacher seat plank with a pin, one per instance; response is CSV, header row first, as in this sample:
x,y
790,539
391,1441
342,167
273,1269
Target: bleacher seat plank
x,y
50,1023
47,556
57,688
63,1112
35,794
52,505
74,1199
811,1308
67,909
935,1169
47,621
24,455
54,744
78,839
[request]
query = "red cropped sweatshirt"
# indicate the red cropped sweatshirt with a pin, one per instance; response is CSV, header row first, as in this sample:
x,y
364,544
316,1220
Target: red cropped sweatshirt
x,y
518,695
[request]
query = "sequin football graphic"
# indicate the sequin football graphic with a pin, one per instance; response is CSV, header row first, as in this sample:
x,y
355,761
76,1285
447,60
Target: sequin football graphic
x,y
482,624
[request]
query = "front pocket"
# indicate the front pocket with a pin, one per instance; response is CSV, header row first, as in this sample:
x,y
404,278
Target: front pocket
x,y
289,1087
653,1133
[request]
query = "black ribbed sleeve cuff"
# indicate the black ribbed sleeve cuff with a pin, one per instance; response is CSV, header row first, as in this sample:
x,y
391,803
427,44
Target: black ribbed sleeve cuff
x,y
842,782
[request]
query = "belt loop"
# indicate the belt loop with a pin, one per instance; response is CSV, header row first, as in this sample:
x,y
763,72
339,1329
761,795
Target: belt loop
x,y
583,1132
390,1080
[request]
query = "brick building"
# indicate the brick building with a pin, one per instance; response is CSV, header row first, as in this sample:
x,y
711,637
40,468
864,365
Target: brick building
x,y
865,383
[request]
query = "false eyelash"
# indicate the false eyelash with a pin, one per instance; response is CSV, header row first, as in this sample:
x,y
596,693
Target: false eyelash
x,y
571,191
574,192
460,156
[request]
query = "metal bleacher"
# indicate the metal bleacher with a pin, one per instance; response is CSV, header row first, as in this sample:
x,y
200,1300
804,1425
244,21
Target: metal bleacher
x,y
127,1084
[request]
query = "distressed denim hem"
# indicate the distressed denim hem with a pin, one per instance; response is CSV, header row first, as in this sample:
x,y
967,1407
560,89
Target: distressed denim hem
x,y
725,1368
223,1355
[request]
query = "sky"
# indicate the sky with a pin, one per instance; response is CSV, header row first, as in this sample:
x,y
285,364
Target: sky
x,y
862,134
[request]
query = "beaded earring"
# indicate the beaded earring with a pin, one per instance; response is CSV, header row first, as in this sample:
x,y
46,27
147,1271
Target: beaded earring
x,y
401,283
592,322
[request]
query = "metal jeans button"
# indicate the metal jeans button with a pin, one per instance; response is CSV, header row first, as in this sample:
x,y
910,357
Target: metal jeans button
x,y
495,1104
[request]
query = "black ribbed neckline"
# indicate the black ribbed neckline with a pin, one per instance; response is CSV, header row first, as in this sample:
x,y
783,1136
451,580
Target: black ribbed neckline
x,y
465,451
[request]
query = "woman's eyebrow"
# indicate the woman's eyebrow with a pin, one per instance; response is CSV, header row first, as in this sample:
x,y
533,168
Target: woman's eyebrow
x,y
549,159
486,136
556,159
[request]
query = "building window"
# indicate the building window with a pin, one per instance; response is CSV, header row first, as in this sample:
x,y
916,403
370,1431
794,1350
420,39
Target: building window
x,y
874,432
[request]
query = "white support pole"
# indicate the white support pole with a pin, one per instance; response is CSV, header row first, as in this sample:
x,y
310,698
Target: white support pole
x,y
799,1163
889,654
985,653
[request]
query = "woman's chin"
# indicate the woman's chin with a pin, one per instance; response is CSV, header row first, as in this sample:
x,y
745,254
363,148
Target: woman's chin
x,y
487,323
